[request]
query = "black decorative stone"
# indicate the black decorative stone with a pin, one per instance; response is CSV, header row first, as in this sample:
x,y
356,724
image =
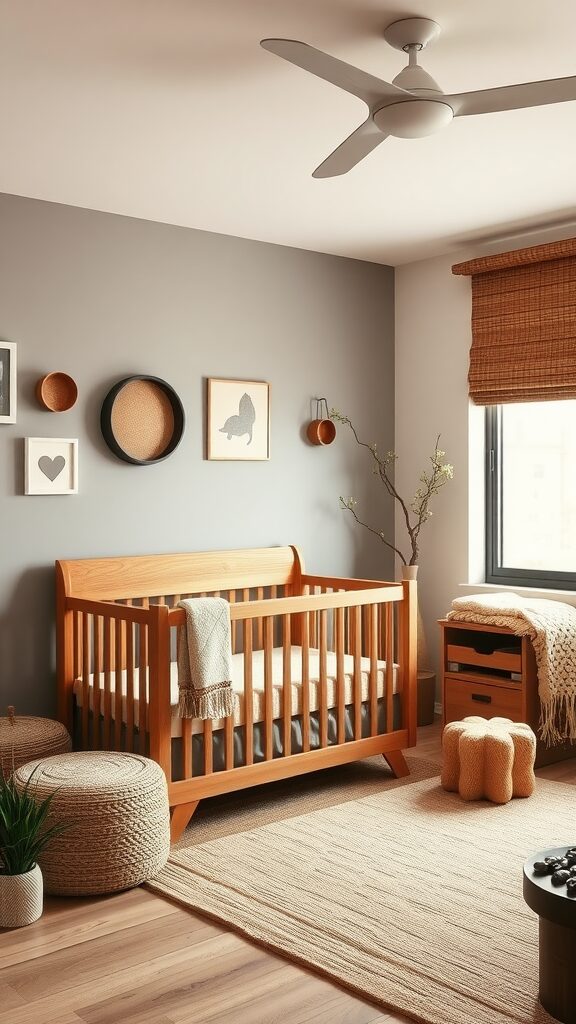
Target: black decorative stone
x,y
560,877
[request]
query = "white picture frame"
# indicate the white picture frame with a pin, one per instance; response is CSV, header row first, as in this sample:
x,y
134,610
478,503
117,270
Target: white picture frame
x,y
8,379
50,465
238,420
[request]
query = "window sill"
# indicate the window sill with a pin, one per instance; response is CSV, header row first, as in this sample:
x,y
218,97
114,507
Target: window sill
x,y
567,596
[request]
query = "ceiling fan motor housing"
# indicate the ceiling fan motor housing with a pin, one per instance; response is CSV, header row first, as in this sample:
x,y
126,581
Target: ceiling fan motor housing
x,y
413,119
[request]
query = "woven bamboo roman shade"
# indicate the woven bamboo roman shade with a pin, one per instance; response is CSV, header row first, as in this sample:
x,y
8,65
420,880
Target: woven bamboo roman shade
x,y
523,324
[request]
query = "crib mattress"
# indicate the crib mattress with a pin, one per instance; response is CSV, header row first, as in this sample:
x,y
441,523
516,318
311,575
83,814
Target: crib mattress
x,y
257,686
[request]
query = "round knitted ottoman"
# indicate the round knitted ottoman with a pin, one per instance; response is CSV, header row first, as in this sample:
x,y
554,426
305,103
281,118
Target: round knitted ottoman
x,y
23,738
488,757
116,807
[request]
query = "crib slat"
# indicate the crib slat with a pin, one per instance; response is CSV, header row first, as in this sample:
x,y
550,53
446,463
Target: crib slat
x,y
332,628
373,682
340,696
259,622
357,618
108,625
77,644
389,667
229,742
144,684
305,691
314,622
85,677
187,769
118,663
286,686
208,759
230,722
233,624
323,701
96,688
248,694
366,630
268,693
142,697
130,686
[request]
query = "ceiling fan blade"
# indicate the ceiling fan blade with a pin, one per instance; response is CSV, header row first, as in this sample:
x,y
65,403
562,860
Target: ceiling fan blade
x,y
368,88
351,151
513,97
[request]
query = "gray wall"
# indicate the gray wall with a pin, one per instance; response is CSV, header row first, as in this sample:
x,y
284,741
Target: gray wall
x,y
101,297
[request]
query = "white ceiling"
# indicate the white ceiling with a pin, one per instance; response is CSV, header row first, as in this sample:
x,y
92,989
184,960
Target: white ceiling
x,y
169,110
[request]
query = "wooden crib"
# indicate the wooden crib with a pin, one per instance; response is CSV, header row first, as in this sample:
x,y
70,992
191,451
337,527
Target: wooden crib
x,y
325,667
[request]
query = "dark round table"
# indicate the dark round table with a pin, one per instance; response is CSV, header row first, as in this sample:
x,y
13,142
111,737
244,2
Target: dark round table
x,y
557,938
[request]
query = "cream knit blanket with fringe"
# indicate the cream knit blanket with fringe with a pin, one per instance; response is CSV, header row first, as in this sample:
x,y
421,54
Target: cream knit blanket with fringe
x,y
551,626
205,659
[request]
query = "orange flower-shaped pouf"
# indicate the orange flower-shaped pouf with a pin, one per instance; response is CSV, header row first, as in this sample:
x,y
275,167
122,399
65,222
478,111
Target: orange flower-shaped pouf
x,y
490,758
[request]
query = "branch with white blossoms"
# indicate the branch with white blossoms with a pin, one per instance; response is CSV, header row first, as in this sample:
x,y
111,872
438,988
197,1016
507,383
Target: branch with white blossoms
x,y
417,510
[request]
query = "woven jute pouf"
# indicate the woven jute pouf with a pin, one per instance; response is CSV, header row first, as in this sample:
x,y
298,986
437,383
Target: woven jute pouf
x,y
116,807
24,738
490,758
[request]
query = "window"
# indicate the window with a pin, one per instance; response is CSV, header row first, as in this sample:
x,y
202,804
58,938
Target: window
x,y
531,494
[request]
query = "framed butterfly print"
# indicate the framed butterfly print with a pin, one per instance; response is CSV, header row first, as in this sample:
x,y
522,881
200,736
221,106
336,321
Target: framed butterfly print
x,y
238,419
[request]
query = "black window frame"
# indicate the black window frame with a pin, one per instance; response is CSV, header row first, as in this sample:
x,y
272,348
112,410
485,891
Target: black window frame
x,y
496,572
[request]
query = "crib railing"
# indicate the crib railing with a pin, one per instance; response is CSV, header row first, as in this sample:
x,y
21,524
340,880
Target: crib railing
x,y
122,651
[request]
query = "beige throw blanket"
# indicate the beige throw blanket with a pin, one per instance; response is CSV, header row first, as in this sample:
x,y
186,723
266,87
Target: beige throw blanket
x,y
551,626
205,659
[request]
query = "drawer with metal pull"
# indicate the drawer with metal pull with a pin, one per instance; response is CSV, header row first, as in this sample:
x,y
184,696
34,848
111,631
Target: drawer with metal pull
x,y
464,697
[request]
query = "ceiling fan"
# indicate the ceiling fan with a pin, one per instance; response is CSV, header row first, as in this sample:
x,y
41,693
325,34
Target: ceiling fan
x,y
413,105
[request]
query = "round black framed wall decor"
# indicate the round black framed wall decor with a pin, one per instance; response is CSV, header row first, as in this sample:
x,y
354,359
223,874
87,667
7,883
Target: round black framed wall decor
x,y
142,420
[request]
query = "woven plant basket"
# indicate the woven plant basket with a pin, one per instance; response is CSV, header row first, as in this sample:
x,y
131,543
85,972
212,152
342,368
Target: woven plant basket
x,y
115,807
24,738
20,898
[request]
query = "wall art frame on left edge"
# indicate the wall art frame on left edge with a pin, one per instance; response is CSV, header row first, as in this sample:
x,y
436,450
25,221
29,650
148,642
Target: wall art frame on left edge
x,y
50,465
7,382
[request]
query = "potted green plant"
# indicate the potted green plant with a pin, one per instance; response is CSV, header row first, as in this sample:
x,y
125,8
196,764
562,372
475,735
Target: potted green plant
x,y
23,835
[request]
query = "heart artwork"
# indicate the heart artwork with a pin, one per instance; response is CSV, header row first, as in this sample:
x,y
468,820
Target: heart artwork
x,y
51,467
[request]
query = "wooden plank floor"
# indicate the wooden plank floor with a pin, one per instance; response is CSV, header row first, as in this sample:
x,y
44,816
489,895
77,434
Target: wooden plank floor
x,y
135,958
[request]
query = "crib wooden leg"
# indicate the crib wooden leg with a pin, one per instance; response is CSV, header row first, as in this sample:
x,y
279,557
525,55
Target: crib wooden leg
x,y
180,815
397,762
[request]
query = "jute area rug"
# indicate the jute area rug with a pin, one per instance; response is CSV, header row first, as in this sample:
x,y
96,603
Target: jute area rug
x,y
262,805
408,896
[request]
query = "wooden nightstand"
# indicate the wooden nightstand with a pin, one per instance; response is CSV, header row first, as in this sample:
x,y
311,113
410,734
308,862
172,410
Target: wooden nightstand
x,y
489,671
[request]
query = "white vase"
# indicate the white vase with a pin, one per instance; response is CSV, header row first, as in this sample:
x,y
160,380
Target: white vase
x,y
410,572
21,898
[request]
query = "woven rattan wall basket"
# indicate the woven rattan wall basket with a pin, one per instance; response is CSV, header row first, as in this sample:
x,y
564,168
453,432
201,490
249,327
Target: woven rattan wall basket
x,y
57,392
142,420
